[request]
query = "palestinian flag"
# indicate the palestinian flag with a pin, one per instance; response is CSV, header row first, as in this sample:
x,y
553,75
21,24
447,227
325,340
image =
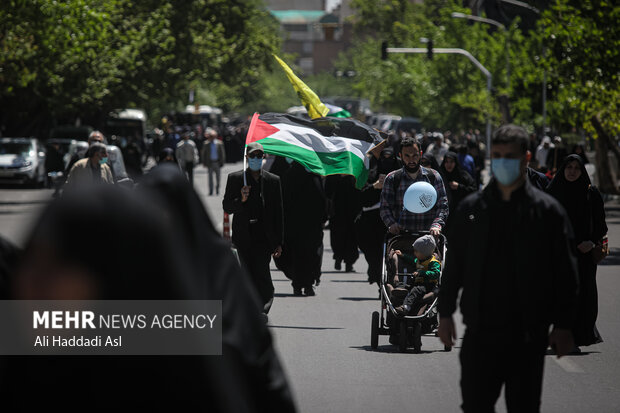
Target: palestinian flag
x,y
337,112
325,146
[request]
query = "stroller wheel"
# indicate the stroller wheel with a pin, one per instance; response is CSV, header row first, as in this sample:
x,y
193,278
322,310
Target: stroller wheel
x,y
402,339
374,331
417,337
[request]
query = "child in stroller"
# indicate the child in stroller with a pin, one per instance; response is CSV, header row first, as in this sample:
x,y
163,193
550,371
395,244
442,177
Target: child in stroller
x,y
424,280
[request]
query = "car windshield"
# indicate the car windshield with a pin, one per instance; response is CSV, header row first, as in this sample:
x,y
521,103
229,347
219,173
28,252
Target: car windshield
x,y
15,148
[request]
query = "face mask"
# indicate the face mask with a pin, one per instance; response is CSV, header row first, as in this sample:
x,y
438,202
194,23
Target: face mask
x,y
289,160
255,163
506,171
103,160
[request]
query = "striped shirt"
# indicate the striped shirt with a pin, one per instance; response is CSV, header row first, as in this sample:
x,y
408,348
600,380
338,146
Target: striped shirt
x,y
392,211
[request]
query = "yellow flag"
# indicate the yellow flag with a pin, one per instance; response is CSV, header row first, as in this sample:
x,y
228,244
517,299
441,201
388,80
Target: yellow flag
x,y
312,103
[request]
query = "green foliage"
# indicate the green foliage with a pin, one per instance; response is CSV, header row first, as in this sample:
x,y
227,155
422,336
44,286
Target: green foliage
x,y
447,92
583,50
82,58
581,44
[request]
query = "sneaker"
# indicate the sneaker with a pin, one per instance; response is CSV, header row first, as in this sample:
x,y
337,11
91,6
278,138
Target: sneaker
x,y
309,292
338,265
349,268
297,292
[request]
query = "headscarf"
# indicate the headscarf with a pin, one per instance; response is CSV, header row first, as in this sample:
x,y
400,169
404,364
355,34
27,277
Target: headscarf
x,y
385,165
432,160
122,246
458,174
573,195
248,353
148,245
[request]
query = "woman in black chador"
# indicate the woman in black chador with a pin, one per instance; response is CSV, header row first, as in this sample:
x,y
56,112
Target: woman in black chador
x,y
111,244
345,198
584,205
304,207
457,181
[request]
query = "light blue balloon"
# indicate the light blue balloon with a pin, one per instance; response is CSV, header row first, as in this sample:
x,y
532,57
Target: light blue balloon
x,y
420,197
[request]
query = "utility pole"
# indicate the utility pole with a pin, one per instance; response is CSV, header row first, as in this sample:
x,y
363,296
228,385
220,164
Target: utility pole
x,y
462,52
497,24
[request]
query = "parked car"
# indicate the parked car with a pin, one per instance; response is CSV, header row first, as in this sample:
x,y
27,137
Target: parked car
x,y
22,160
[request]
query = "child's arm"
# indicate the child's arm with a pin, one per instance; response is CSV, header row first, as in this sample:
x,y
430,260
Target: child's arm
x,y
432,275
409,259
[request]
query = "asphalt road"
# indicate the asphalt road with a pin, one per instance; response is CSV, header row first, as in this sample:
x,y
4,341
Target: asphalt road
x,y
324,341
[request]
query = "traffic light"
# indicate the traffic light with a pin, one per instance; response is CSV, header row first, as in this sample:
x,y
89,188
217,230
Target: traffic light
x,y
384,54
429,49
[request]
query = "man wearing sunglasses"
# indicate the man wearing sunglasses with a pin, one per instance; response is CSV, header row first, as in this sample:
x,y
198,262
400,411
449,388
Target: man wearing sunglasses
x,y
254,198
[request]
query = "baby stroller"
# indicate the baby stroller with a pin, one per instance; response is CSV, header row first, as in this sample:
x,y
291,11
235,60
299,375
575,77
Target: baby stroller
x,y
405,330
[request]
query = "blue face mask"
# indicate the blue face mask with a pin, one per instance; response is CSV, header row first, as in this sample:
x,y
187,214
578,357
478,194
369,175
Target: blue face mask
x,y
505,170
255,163
103,160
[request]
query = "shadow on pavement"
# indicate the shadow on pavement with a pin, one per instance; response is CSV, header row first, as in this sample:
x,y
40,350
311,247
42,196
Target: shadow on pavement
x,y
358,298
30,202
307,328
551,352
288,295
348,281
389,348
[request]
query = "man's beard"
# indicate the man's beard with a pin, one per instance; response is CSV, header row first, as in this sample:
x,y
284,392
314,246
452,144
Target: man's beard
x,y
412,169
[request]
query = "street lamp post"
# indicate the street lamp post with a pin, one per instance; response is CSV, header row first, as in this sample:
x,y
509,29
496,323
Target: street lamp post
x,y
386,50
495,23
544,85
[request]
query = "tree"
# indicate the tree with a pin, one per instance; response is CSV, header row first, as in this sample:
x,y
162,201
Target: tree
x,y
447,92
582,40
82,58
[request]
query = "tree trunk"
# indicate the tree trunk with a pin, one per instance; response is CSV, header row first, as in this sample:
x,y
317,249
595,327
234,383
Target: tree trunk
x,y
504,105
606,177
611,143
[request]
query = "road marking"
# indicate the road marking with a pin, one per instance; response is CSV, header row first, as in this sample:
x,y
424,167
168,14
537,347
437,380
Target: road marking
x,y
568,365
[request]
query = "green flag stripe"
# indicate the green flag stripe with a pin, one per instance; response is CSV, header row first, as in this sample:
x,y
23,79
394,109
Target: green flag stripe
x,y
321,163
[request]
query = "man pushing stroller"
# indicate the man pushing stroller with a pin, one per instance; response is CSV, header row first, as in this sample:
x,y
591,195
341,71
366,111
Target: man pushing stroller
x,y
423,280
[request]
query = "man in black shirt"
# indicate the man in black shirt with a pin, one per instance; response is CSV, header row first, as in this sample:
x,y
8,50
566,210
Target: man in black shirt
x,y
510,254
256,205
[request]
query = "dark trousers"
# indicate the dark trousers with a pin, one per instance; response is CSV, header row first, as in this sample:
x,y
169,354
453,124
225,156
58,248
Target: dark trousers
x,y
492,359
414,299
370,233
255,259
189,170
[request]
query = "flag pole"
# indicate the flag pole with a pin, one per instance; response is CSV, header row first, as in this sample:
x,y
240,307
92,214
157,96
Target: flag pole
x,y
245,159
248,139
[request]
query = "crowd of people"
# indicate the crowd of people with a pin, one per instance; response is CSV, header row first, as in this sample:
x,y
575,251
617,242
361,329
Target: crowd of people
x,y
522,257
